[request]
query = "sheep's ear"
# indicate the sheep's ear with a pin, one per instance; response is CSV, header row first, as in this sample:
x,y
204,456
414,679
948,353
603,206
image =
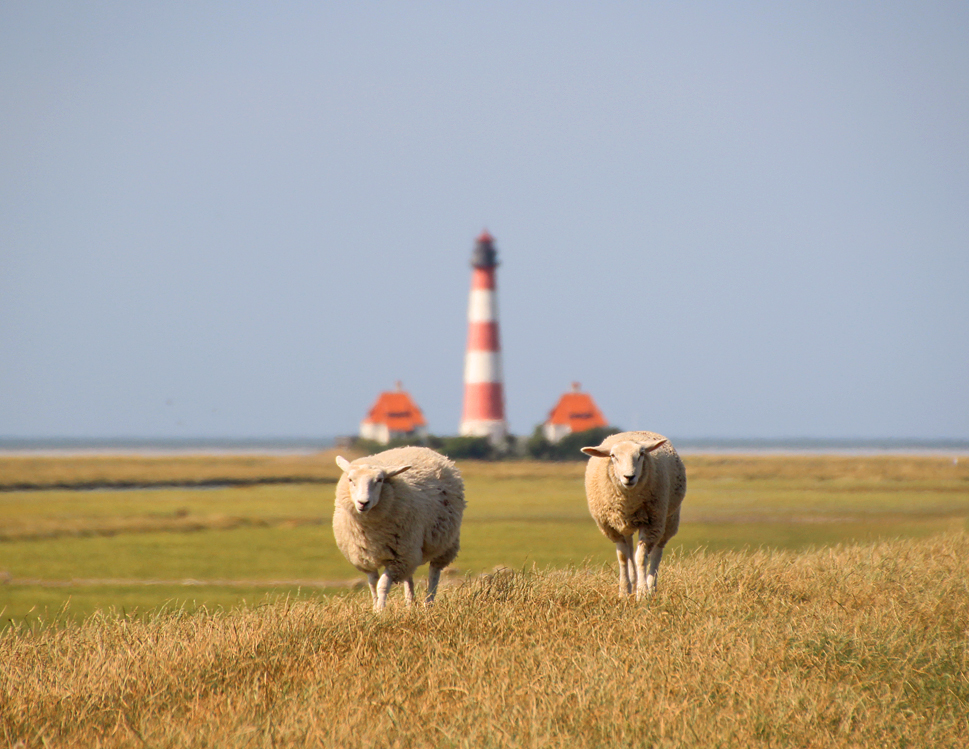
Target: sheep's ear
x,y
343,463
394,471
648,447
596,452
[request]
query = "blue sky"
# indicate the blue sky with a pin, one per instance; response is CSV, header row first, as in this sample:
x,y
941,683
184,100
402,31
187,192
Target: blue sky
x,y
724,219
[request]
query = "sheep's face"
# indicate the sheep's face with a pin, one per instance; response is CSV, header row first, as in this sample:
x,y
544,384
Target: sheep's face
x,y
629,462
627,459
365,485
366,482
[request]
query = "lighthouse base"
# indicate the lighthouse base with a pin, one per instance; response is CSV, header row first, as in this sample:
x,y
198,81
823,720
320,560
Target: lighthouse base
x,y
495,431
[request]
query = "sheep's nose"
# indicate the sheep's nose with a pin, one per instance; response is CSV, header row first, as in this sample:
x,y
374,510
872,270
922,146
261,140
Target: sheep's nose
x,y
630,479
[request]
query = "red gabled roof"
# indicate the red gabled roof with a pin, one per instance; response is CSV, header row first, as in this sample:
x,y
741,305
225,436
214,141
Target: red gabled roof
x,y
578,411
397,410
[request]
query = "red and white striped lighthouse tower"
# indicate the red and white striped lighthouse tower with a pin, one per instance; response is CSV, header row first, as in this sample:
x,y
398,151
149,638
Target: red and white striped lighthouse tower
x,y
484,397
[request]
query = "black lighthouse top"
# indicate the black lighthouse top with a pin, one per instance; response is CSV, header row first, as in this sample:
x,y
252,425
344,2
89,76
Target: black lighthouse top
x,y
484,255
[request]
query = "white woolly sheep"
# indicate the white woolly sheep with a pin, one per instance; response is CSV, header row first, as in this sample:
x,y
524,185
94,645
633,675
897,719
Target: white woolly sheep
x,y
397,510
635,481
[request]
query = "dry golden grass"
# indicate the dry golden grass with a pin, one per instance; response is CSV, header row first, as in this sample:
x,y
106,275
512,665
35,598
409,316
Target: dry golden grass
x,y
846,647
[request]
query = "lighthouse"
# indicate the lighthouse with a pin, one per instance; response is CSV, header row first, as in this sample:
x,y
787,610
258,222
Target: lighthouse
x,y
484,397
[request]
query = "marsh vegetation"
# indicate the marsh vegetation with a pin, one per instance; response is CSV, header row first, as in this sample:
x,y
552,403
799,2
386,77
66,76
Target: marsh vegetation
x,y
807,601
182,546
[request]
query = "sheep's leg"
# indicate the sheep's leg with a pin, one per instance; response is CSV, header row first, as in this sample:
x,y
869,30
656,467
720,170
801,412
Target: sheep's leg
x,y
642,552
648,553
631,563
433,577
627,573
383,588
409,590
623,568
654,559
372,583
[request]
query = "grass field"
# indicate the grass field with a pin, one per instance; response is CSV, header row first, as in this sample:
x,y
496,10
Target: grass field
x,y
806,602
138,549
852,646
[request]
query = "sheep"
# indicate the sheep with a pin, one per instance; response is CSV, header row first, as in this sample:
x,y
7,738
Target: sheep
x,y
635,481
397,510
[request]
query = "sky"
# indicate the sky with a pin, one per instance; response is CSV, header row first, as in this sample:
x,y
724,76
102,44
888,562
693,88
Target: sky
x,y
246,220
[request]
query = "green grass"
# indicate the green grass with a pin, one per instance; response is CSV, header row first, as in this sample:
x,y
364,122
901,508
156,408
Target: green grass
x,y
38,471
39,512
519,515
242,553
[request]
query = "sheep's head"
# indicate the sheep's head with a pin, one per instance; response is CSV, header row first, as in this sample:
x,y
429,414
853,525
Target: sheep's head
x,y
628,459
366,481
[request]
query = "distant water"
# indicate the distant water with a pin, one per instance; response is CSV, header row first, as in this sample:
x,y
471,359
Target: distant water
x,y
305,445
148,445
823,446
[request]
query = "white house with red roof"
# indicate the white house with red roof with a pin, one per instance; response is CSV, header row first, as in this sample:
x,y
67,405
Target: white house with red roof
x,y
393,416
575,412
